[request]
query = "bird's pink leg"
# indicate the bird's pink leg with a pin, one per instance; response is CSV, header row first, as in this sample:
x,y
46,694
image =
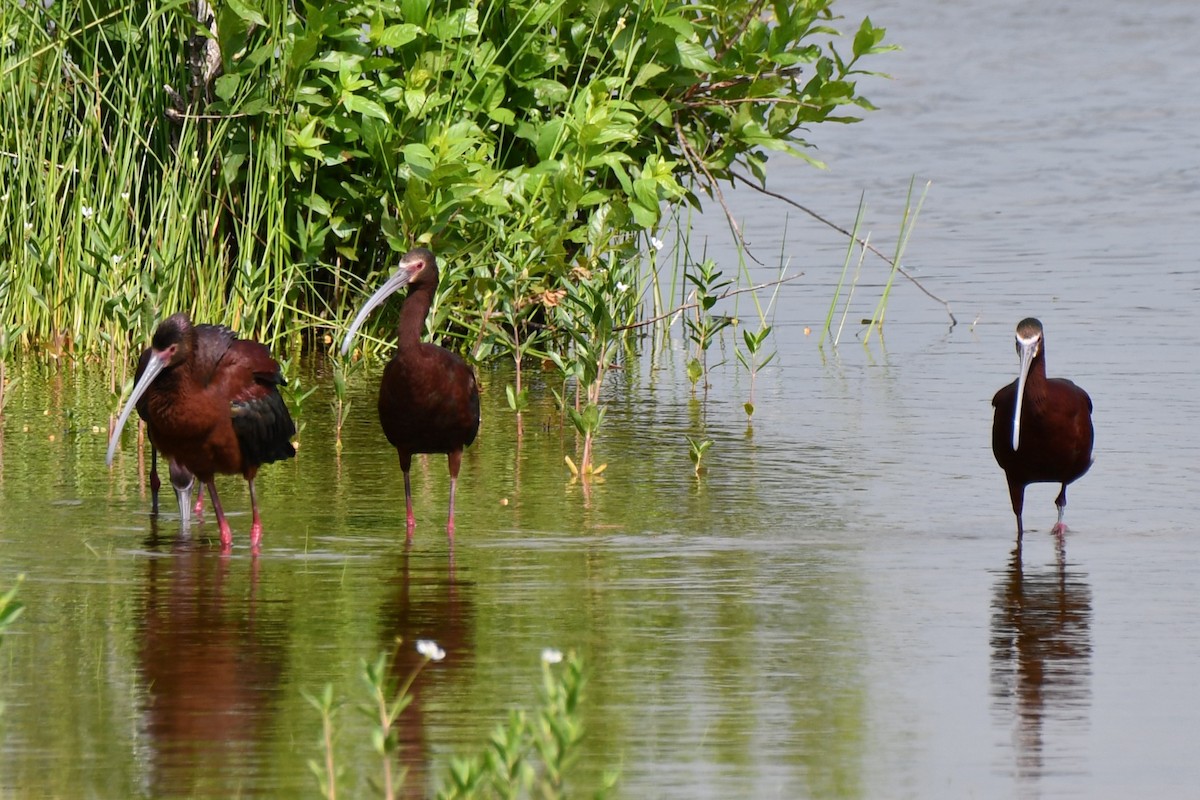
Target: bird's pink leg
x,y
222,523
454,459
1060,527
410,522
256,525
198,509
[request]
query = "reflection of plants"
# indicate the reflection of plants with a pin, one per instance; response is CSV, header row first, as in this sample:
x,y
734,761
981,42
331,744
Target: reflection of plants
x,y
10,609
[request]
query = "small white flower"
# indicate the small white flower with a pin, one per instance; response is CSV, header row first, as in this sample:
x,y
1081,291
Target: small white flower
x,y
28,227
656,243
622,287
430,649
86,211
125,195
551,656
116,259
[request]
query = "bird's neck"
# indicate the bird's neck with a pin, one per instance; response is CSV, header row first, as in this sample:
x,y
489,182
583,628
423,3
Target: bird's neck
x,y
412,318
1035,381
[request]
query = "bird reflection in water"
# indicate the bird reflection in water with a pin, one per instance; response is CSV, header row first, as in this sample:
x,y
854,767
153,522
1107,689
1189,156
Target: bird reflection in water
x,y
1041,655
427,601
210,656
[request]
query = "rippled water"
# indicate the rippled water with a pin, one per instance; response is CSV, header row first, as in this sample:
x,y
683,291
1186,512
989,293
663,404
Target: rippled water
x,y
834,610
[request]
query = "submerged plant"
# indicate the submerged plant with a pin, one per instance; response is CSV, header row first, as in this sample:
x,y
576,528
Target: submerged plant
x,y
696,450
753,360
703,327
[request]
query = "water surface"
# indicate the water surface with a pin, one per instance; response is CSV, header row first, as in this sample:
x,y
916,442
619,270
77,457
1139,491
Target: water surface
x,y
835,609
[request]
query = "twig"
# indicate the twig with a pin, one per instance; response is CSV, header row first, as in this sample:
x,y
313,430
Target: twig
x,y
697,165
843,231
689,306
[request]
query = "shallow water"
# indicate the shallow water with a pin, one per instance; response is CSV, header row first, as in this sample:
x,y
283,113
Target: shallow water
x,y
834,609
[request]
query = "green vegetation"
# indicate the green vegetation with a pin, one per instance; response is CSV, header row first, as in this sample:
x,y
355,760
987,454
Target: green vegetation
x,y
531,143
530,755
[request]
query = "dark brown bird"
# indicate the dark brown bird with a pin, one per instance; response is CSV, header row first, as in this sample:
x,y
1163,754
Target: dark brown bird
x,y
428,398
181,480
1042,431
212,405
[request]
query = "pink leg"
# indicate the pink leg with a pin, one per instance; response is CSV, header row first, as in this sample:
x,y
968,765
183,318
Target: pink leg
x,y
1060,527
198,509
256,525
455,460
222,523
410,522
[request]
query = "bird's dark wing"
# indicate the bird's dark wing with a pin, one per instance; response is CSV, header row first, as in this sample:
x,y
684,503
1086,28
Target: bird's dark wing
x,y
260,417
212,342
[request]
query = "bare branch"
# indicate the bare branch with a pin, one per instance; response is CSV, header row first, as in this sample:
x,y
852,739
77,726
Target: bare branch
x,y
689,306
866,245
697,165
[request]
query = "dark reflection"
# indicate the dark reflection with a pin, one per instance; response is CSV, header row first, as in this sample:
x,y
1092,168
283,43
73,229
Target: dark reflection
x,y
1041,654
428,602
211,653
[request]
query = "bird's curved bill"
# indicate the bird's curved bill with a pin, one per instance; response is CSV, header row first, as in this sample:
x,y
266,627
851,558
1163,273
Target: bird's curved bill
x,y
154,366
182,482
1027,349
399,279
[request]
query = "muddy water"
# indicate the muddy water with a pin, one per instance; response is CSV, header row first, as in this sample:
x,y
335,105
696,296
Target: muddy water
x,y
835,609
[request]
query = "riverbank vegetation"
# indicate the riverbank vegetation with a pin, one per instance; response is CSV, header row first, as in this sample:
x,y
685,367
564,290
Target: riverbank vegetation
x,y
259,163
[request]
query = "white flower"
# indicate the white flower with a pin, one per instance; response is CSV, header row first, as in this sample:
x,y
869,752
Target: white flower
x,y
656,243
551,656
622,287
116,259
124,195
86,211
28,227
430,649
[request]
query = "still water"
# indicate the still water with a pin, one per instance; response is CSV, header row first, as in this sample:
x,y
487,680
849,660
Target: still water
x,y
835,609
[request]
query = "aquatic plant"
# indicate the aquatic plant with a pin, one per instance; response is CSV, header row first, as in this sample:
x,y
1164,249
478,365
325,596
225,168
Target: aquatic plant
x,y
702,326
530,754
696,450
753,360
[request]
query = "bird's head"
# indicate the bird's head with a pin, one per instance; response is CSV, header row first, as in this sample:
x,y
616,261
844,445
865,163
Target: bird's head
x,y
417,268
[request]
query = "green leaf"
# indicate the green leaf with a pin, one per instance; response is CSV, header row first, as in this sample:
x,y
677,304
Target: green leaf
x,y
694,57
245,9
364,106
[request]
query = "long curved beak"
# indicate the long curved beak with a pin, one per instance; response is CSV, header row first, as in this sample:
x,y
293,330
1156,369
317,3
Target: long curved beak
x,y
156,364
1027,349
182,482
403,274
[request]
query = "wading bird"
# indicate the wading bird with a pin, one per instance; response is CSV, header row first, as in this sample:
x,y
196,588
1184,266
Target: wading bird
x,y
428,398
1042,431
181,480
212,405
